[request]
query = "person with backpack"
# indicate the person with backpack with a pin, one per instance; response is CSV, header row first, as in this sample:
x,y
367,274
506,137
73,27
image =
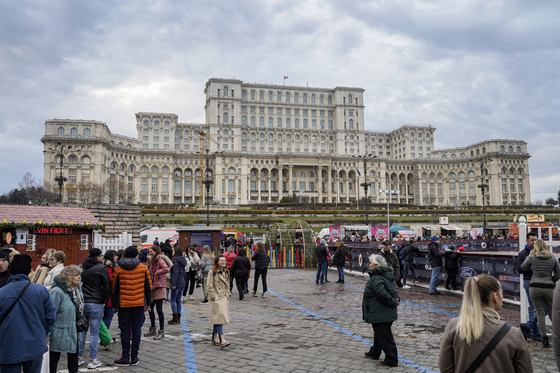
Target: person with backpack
x,y
190,272
406,255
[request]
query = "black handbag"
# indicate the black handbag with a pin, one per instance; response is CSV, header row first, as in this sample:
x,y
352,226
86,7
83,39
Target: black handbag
x,y
82,323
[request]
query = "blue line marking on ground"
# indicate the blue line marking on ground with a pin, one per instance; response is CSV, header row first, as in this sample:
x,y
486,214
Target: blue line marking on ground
x,y
291,270
269,316
357,337
448,305
419,305
189,349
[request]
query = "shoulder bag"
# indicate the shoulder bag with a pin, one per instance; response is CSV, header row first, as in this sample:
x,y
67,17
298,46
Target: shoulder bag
x,y
82,322
488,349
14,304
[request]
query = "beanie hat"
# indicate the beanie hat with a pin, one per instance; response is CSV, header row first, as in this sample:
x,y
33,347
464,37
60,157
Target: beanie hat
x,y
131,252
95,252
461,249
21,265
4,255
435,239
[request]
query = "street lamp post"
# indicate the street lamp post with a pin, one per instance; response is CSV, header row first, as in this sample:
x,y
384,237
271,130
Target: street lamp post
x,y
60,179
365,184
483,187
208,183
388,193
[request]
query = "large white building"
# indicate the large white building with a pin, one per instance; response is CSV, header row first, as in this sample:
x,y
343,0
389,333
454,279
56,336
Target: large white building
x,y
271,141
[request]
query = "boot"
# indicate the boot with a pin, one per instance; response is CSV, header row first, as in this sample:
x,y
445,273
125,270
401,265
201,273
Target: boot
x,y
160,335
223,342
545,342
175,319
151,332
215,339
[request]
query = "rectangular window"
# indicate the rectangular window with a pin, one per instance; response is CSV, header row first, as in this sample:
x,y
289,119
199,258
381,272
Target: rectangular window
x,y
231,186
177,187
223,186
238,186
263,186
164,188
188,187
154,188
197,187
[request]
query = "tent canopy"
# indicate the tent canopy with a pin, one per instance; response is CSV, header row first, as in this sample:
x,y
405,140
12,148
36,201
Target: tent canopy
x,y
395,228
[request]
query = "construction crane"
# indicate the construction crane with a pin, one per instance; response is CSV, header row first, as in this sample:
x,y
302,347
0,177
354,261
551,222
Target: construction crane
x,y
203,135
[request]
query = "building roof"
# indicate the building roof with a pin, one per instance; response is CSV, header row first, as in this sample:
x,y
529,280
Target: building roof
x,y
47,215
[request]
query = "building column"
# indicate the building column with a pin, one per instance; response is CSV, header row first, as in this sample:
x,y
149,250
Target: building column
x,y
319,186
290,180
280,188
269,188
329,184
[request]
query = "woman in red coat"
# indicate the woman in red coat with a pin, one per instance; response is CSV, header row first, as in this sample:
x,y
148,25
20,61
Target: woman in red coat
x,y
158,269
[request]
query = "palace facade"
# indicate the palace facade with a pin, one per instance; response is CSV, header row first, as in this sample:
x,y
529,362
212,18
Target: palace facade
x,y
264,142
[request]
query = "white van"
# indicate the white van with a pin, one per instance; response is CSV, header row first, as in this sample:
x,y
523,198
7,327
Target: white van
x,y
324,233
149,234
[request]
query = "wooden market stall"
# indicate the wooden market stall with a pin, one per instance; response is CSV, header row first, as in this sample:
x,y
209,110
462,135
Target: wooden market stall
x,y
200,235
34,229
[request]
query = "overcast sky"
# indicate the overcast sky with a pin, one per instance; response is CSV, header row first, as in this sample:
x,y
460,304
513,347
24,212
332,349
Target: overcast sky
x,y
475,70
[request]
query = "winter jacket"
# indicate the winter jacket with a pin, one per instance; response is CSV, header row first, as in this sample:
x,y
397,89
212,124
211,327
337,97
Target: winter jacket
x,y
5,277
96,284
240,267
542,270
53,272
193,261
218,298
168,274
556,324
451,259
339,258
158,269
434,255
510,355
229,257
206,264
393,261
167,250
321,252
23,332
143,255
379,304
411,252
527,273
63,336
261,260
132,284
110,272
178,272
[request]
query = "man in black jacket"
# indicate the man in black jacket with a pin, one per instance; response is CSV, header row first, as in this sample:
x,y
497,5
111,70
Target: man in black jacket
x,y
321,252
339,260
96,287
410,252
435,259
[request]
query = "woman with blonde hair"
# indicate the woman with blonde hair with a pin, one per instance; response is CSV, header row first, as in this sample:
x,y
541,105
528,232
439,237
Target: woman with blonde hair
x,y
56,264
468,337
219,294
546,271
206,264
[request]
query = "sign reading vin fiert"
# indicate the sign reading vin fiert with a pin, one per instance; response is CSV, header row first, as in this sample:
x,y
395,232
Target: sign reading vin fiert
x,y
466,272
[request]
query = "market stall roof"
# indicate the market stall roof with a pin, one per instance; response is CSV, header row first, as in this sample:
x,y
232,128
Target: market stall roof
x,y
46,215
496,227
395,228
429,227
407,233
451,228
198,228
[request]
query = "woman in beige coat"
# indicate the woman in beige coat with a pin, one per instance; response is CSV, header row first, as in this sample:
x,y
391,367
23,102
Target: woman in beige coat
x,y
218,295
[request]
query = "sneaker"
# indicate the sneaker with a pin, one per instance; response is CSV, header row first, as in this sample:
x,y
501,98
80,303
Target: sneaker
x,y
413,282
80,361
94,364
327,281
205,301
190,297
406,287
254,293
435,293
123,361
264,295
246,291
134,361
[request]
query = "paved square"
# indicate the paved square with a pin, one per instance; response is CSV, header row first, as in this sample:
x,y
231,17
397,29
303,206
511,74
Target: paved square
x,y
302,327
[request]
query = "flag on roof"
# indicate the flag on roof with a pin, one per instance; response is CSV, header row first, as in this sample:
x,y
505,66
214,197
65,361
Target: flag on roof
x,y
285,77
336,172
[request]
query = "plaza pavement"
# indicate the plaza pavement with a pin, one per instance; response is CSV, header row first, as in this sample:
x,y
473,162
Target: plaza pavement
x,y
302,327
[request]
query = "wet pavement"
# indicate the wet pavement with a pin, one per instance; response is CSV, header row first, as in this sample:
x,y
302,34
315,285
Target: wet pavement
x,y
302,327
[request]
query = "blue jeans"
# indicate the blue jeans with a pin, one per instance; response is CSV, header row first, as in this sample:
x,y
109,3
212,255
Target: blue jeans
x,y
407,266
132,317
218,329
340,273
94,313
433,281
321,272
108,314
176,295
29,366
532,322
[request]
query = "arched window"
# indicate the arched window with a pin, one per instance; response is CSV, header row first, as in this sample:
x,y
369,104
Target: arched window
x,y
231,171
165,170
296,123
296,98
452,175
471,173
156,123
270,122
351,124
432,176
60,131
130,168
518,149
287,97
253,95
477,151
155,170
462,155
288,122
253,122
253,173
461,175
146,123
520,171
301,174
261,96
225,117
279,97
453,155
73,160
502,148
329,100
244,120
472,153
371,174
144,170
244,95
439,176
269,96
305,98
279,122
322,124
87,132
321,100
188,172
263,173
74,131
197,172
122,167
510,149
225,92
113,165
424,176
261,122
350,99
86,160
330,124
483,150
511,171
444,156
305,123
312,99
503,171
177,172
314,124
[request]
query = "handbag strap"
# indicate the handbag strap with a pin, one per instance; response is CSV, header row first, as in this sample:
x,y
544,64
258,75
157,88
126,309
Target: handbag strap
x,y
14,304
489,347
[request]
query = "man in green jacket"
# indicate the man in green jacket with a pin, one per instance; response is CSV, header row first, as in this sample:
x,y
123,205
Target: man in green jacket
x,y
391,258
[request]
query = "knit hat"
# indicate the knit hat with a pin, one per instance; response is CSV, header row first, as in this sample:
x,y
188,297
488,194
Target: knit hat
x,y
131,252
435,239
5,255
95,252
461,249
21,265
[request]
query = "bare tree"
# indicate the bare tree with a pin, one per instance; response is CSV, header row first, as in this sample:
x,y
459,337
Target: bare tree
x,y
537,202
97,193
551,202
